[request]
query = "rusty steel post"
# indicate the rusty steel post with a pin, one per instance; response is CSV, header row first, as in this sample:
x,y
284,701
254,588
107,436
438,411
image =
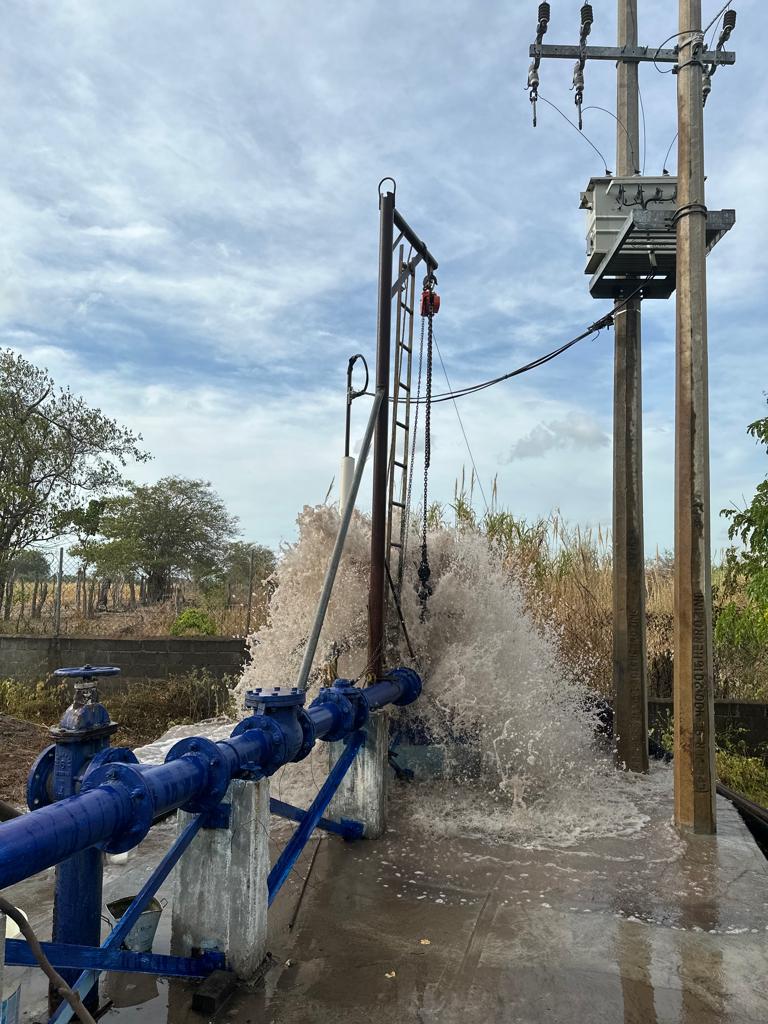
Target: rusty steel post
x,y
629,649
376,603
694,677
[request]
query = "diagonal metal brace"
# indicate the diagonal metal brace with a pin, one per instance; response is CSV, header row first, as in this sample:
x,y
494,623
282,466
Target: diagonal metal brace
x,y
346,827
299,839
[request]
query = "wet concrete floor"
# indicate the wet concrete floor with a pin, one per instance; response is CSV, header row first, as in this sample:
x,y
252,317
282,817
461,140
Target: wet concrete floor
x,y
646,929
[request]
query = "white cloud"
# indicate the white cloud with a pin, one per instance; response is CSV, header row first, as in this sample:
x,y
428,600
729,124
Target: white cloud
x,y
190,236
577,431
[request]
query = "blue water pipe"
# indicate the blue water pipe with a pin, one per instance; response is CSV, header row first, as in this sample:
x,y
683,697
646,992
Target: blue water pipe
x,y
118,798
86,797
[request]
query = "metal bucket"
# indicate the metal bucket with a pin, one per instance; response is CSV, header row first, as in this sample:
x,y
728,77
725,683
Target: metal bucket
x,y
140,938
10,992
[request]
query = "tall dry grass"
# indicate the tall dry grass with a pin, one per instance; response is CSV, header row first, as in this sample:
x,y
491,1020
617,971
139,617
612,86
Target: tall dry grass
x,y
565,573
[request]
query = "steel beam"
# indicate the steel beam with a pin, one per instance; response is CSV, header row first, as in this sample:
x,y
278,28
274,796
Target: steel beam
x,y
376,603
627,53
413,239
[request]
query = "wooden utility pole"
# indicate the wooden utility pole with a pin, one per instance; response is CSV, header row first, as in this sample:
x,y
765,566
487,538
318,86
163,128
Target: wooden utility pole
x,y
629,651
694,682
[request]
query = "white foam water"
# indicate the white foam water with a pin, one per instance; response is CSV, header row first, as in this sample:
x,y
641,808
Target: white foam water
x,y
517,732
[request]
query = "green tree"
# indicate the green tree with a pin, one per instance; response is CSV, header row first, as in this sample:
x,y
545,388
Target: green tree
x,y
54,448
176,527
750,526
31,565
235,565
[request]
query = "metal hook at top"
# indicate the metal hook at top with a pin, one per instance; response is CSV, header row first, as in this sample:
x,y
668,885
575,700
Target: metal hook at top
x,y
394,186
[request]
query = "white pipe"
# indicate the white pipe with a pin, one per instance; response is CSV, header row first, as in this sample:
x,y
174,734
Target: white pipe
x,y
330,576
346,475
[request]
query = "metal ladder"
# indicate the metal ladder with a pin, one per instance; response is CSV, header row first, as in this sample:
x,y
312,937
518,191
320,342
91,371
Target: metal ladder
x,y
399,447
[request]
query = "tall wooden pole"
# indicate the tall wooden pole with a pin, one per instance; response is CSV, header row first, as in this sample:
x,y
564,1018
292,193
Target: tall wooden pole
x,y
694,681
629,651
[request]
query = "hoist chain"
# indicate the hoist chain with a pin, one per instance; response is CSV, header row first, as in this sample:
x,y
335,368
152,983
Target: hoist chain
x,y
425,590
412,460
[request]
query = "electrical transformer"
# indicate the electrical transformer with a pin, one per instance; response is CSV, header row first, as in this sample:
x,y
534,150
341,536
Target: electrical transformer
x,y
609,201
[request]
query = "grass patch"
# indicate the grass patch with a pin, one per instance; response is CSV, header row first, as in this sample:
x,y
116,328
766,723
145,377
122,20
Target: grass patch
x,y
746,775
145,709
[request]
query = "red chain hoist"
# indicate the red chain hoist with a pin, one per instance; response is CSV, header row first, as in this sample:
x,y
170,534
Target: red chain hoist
x,y
430,300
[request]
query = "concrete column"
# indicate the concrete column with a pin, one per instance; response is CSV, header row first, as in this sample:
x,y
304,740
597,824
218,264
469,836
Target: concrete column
x,y
221,883
629,647
362,795
695,776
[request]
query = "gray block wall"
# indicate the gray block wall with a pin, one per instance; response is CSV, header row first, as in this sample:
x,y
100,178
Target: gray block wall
x,y
35,657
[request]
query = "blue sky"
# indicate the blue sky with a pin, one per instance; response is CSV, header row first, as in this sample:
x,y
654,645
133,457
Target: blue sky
x,y
189,210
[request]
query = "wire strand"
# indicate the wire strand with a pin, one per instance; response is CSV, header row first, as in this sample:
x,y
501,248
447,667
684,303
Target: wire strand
x,y
576,129
664,167
463,431
621,124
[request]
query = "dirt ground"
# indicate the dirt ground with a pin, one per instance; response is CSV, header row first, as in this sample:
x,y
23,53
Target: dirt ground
x,y
20,743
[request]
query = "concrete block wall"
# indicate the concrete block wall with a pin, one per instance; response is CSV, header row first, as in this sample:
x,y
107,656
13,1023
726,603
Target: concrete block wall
x,y
35,657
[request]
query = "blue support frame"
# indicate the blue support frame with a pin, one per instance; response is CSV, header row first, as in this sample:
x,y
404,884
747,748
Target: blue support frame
x,y
299,839
90,975
95,959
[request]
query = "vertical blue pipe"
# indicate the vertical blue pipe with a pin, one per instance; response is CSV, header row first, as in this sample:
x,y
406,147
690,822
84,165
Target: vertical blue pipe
x,y
78,885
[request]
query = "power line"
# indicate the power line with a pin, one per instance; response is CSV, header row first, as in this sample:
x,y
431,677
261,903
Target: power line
x,y
595,328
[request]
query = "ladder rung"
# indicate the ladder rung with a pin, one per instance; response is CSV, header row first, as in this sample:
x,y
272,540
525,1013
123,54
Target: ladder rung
x,y
399,423
405,387
395,544
406,348
401,465
399,504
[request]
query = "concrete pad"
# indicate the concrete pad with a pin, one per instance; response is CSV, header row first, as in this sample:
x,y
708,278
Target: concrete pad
x,y
648,928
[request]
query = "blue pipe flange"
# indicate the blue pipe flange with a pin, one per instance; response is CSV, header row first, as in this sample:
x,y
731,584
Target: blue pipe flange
x,y
209,755
410,682
137,798
343,708
109,755
274,736
39,792
355,694
307,735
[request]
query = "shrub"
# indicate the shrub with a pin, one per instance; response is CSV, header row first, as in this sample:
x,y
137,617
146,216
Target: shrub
x,y
193,621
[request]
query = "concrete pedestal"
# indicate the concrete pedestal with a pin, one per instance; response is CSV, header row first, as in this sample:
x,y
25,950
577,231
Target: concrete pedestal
x,y
363,793
221,883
